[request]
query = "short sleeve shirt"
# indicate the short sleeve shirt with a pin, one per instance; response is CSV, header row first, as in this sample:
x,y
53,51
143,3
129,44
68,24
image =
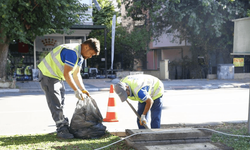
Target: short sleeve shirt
x,y
69,57
143,93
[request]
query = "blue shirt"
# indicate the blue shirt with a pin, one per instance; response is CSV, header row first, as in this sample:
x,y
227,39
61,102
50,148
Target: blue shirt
x,y
143,93
69,57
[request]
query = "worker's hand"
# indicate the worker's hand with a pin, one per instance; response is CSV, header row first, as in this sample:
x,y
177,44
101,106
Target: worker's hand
x,y
79,94
85,92
143,120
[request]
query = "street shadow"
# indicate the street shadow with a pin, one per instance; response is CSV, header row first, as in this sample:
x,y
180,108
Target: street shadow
x,y
16,94
10,94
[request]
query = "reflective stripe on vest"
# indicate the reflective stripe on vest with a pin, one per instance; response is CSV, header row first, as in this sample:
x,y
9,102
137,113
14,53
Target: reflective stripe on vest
x,y
56,71
53,56
136,82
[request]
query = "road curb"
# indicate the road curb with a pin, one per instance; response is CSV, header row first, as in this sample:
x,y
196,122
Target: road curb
x,y
202,124
40,90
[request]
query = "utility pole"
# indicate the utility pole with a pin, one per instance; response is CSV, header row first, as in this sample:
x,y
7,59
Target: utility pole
x,y
105,48
248,123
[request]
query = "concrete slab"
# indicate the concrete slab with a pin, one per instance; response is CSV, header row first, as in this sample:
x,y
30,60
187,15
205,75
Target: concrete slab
x,y
171,139
189,146
171,135
118,133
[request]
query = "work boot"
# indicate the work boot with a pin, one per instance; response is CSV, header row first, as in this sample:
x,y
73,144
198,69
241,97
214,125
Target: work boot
x,y
64,133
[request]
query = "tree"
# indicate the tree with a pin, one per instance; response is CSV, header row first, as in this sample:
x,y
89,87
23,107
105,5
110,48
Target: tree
x,y
23,20
187,17
103,17
128,45
206,24
132,46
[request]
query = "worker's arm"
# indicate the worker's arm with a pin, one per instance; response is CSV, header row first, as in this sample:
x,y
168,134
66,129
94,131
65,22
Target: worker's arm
x,y
70,80
68,77
144,96
78,79
149,102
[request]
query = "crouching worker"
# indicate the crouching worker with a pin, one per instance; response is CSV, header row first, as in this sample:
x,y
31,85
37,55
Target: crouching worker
x,y
64,63
146,89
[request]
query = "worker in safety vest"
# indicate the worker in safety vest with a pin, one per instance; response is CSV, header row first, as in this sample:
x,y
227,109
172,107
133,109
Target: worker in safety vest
x,y
27,70
64,63
146,89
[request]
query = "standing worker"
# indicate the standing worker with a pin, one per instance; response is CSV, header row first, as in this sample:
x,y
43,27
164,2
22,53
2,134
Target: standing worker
x,y
64,63
146,89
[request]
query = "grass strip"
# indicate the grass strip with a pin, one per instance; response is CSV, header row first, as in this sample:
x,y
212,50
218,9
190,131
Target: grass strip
x,y
51,142
238,143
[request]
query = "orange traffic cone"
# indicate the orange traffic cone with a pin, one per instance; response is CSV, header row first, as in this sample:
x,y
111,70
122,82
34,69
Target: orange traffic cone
x,y
111,112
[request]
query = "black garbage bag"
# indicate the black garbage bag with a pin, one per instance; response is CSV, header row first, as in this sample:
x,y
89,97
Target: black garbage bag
x,y
86,122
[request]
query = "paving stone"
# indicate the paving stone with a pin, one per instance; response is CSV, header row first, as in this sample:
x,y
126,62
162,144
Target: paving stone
x,y
189,146
172,139
167,134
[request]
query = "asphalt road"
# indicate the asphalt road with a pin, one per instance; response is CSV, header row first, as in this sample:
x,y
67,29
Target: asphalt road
x,y
27,113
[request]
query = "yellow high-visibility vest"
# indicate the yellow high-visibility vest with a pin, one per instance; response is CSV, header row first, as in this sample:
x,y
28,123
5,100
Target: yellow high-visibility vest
x,y
52,65
27,70
137,82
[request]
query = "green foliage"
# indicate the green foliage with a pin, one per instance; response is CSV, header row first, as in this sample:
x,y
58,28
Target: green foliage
x,y
189,16
137,9
24,20
128,45
204,19
206,24
105,15
132,45
102,17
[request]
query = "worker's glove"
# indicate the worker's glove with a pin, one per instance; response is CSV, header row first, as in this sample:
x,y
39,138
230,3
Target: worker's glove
x,y
85,92
79,94
143,120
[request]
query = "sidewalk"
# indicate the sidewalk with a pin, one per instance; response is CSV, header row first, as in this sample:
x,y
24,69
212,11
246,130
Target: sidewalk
x,y
104,84
205,84
90,85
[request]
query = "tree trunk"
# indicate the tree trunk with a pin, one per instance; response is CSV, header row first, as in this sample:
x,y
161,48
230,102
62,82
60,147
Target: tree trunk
x,y
3,57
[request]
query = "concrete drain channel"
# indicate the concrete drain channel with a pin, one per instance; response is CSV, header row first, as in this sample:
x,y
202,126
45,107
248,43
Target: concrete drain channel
x,y
171,139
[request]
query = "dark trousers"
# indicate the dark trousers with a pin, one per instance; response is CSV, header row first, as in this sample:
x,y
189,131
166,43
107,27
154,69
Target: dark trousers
x,y
155,110
54,90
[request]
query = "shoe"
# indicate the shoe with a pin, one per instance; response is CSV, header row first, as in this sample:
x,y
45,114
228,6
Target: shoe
x,y
64,133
